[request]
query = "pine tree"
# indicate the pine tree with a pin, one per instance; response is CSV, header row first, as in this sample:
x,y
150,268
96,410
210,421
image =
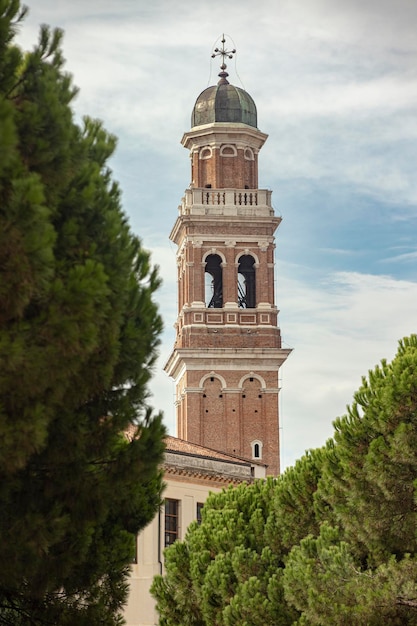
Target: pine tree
x,y
224,572
78,337
362,569
369,480
295,509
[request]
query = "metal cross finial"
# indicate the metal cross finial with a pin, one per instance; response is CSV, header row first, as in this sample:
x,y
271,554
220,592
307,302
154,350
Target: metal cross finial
x,y
223,53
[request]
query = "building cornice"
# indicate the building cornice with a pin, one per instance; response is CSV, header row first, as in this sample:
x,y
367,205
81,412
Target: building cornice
x,y
221,132
219,358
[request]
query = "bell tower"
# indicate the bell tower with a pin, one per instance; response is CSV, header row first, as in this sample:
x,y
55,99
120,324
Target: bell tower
x,y
227,352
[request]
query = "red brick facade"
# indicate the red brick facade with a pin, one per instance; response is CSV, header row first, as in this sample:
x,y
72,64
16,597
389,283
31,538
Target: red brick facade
x,y
225,167
227,352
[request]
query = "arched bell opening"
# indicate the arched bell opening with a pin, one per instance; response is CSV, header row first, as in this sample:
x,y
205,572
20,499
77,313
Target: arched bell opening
x,y
246,282
213,282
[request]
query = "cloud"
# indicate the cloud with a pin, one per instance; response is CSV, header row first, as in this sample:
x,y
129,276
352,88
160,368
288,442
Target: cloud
x,y
339,329
338,104
405,257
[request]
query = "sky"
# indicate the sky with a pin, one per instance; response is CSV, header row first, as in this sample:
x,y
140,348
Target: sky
x,y
335,84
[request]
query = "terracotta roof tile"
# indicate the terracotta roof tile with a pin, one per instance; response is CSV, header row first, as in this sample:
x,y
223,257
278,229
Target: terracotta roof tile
x,y
173,444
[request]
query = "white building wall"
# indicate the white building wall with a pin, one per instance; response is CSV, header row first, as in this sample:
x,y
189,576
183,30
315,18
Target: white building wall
x,y
140,609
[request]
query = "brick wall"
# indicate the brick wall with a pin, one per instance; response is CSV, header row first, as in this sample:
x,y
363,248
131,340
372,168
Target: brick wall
x,y
224,171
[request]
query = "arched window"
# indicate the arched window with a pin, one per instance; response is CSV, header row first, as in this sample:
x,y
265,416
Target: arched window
x,y
205,153
246,282
214,282
228,151
256,449
249,154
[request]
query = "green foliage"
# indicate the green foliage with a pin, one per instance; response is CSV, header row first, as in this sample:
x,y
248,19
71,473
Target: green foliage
x,y
175,593
78,338
370,479
323,580
293,509
362,569
224,572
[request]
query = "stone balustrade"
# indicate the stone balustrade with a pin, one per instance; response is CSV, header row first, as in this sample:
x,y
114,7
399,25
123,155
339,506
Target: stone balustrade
x,y
244,202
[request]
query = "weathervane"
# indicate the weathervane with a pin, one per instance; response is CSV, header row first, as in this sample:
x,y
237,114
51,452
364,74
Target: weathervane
x,y
223,53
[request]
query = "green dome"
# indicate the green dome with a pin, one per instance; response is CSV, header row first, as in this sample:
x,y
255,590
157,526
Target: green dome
x,y
224,103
